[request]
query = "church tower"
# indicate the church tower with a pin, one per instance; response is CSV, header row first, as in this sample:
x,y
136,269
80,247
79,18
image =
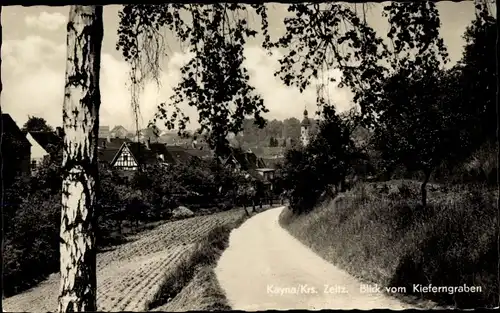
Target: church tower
x,y
305,128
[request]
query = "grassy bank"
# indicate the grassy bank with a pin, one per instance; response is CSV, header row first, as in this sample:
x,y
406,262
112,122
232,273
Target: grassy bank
x,y
379,233
193,284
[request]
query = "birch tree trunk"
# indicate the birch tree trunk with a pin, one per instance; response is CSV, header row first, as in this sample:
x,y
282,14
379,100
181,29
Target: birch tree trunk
x,y
80,169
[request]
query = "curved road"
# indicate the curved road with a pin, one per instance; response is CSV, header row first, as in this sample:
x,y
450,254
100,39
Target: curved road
x,y
266,268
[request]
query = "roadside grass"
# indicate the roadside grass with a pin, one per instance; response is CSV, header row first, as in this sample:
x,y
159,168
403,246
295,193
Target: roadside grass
x,y
380,233
193,285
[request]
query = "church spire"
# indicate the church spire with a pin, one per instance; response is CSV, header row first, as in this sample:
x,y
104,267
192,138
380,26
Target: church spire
x,y
304,128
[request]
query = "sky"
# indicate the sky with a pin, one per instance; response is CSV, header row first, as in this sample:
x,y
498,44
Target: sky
x,y
34,56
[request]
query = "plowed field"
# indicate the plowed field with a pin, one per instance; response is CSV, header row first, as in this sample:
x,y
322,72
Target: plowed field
x,y
131,274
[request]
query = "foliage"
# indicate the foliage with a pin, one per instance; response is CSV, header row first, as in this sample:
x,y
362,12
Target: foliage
x,y
37,124
299,180
321,37
325,163
31,252
214,80
477,77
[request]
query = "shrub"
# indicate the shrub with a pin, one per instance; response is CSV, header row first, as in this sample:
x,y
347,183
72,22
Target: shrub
x,y
31,245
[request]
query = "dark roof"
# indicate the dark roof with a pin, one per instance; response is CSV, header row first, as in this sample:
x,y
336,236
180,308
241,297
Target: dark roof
x,y
247,160
200,153
10,127
160,149
180,154
49,141
141,153
108,152
106,155
272,163
112,143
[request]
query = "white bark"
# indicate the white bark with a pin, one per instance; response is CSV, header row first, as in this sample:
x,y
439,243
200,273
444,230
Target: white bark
x,y
80,169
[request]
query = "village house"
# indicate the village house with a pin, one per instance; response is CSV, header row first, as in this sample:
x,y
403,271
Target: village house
x,y
104,132
44,145
107,148
15,150
130,156
119,132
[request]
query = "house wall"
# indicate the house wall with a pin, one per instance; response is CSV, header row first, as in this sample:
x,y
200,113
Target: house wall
x,y
38,153
125,160
120,133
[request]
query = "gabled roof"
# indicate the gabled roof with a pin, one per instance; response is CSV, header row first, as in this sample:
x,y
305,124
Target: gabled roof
x,y
107,155
119,128
10,127
49,141
247,160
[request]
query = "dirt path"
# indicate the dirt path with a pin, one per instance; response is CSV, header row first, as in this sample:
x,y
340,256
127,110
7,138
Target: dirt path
x,y
266,268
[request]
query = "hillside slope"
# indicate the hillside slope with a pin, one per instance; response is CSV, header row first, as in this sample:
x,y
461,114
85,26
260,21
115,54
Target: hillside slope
x,y
379,233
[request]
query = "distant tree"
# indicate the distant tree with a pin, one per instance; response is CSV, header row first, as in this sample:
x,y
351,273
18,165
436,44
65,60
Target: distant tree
x,y
37,124
477,77
332,149
291,128
274,128
272,142
283,144
300,181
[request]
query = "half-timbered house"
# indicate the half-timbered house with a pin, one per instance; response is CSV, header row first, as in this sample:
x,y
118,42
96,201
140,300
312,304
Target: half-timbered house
x,y
124,159
133,155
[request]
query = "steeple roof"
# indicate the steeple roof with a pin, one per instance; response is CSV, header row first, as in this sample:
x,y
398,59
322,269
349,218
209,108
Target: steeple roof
x,y
305,121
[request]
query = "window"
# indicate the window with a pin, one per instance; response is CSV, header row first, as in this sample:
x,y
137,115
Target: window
x,y
125,157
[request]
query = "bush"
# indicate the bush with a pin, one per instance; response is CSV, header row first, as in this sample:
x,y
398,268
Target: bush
x,y
31,245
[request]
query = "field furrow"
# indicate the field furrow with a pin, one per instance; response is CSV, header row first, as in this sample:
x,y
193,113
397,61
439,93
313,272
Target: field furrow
x,y
130,275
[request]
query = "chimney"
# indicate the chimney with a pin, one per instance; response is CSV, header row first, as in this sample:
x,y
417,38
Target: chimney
x,y
59,132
